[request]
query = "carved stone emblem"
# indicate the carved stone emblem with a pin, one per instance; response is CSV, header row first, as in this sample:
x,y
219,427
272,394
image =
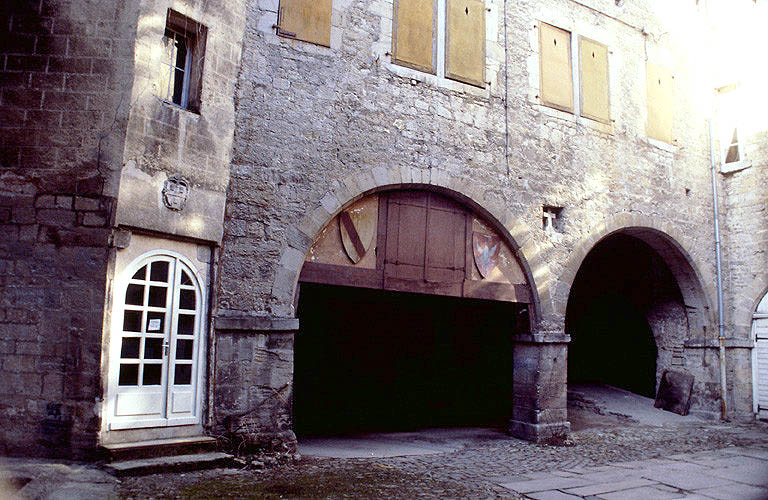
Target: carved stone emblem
x,y
485,248
175,192
358,226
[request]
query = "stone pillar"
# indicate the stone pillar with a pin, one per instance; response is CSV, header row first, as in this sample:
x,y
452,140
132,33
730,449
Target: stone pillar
x,y
540,369
253,386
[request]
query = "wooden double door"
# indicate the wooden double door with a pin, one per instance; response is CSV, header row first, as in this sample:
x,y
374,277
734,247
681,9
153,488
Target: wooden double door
x,y
424,244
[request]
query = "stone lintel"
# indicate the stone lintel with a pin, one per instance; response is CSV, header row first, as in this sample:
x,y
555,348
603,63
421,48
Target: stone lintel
x,y
730,343
541,338
538,432
250,324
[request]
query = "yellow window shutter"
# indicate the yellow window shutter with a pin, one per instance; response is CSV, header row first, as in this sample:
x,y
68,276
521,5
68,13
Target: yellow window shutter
x,y
465,41
413,34
595,102
660,103
307,20
555,67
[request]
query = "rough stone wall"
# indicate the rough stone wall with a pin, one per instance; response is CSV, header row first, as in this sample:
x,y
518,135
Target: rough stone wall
x,y
65,68
365,114
317,127
743,192
255,367
745,235
745,257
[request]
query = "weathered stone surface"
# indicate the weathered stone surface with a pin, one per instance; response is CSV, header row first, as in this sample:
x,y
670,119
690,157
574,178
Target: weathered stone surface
x,y
674,392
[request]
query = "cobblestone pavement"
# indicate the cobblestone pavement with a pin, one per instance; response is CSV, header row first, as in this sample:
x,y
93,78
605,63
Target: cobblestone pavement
x,y
478,470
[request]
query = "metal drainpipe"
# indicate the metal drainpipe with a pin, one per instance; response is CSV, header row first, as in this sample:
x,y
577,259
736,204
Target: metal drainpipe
x,y
720,320
506,92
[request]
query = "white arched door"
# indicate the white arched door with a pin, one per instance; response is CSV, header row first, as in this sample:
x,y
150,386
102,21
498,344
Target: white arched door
x,y
155,348
760,332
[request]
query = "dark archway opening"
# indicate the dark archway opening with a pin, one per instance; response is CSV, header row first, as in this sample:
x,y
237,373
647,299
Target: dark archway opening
x,y
621,298
373,360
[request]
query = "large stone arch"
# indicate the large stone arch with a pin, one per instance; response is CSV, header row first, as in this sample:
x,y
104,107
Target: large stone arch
x,y
358,185
675,249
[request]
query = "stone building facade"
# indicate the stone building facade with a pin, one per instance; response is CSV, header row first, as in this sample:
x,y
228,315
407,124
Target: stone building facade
x,y
185,184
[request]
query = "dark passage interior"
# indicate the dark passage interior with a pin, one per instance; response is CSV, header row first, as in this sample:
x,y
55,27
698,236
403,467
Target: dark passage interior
x,y
609,315
372,360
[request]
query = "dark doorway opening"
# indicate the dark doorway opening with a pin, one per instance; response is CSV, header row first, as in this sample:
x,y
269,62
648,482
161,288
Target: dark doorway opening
x,y
622,296
612,343
373,360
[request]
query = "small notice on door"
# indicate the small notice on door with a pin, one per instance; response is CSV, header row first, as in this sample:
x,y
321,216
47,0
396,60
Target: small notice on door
x,y
154,325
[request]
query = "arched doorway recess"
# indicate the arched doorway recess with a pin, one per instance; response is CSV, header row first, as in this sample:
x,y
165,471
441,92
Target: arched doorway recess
x,y
408,302
627,312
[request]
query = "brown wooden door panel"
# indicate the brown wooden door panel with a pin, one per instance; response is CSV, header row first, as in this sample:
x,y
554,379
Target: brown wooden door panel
x,y
412,235
440,239
393,225
441,202
415,198
445,247
404,271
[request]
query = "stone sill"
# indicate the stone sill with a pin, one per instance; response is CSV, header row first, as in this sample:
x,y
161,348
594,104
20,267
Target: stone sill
x,y
715,344
439,82
191,113
571,116
248,324
736,166
670,148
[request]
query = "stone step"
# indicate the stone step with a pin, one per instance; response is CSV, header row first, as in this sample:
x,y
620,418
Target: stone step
x,y
176,463
158,448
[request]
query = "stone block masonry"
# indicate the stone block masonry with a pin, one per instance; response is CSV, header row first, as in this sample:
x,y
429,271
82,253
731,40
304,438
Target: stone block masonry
x,y
64,73
317,128
255,366
286,135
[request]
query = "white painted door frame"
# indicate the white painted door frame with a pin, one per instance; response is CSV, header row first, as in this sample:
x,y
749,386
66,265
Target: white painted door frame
x,y
760,359
169,403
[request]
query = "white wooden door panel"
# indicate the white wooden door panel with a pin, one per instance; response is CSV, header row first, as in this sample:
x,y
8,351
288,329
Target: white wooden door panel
x,y
140,404
182,402
760,327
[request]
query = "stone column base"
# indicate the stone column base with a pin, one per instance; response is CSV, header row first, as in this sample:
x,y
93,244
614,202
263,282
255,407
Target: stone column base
x,y
538,432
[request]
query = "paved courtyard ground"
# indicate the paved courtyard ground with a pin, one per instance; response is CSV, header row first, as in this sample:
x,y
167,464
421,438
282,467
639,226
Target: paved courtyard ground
x,y
609,456
728,461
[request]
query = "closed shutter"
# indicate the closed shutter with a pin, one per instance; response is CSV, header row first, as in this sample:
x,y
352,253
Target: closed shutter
x,y
413,34
307,20
594,81
555,67
406,235
425,244
465,41
660,103
761,349
445,254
